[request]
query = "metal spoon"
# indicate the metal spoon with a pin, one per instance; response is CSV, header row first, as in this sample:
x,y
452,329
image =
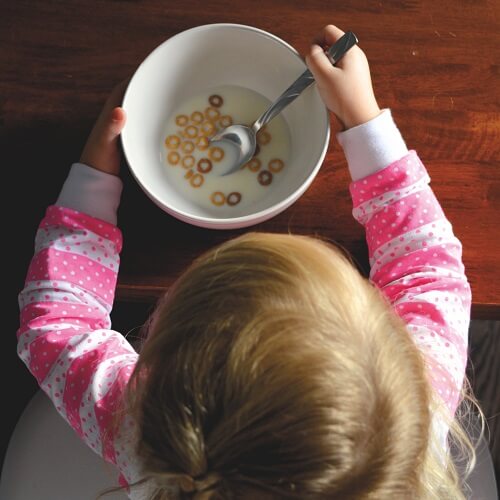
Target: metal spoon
x,y
244,138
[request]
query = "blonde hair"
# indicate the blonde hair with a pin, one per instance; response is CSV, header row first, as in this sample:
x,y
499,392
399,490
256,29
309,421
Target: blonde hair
x,y
274,369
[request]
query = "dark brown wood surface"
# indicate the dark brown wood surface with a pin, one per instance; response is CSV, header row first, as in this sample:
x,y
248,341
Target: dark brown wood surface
x,y
435,64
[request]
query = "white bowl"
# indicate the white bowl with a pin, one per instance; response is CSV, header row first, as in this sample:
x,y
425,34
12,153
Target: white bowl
x,y
225,54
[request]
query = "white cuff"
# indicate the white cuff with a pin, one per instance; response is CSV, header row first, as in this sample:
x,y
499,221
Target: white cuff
x,y
92,192
372,146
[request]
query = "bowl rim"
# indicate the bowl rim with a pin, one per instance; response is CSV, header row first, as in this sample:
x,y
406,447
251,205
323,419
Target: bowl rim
x,y
243,220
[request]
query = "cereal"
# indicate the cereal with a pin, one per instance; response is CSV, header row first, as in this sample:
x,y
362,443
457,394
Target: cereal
x,y
173,157
265,178
207,128
217,198
188,161
197,117
216,100
215,153
212,113
187,147
204,166
193,162
276,165
253,165
191,131
172,142
225,121
233,198
263,137
181,120
202,143
196,180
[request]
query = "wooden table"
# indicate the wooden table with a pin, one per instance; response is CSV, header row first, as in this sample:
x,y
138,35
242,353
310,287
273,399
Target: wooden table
x,y
435,64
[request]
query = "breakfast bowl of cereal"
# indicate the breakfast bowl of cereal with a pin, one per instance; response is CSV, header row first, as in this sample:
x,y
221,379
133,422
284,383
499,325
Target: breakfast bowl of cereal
x,y
196,84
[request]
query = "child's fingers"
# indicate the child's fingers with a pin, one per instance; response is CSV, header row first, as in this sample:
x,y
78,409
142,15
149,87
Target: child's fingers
x,y
328,36
116,123
118,116
319,63
108,126
114,99
320,66
101,149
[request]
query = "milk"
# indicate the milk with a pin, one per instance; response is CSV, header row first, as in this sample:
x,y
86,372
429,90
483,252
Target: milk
x,y
244,106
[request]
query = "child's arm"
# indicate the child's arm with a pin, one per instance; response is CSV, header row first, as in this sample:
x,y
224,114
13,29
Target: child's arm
x,y
415,257
64,336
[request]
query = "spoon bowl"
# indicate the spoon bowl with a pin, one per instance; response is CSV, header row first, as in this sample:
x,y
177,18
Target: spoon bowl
x,y
243,138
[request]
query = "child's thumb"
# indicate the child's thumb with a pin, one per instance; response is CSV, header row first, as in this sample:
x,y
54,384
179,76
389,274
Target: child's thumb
x,y
115,124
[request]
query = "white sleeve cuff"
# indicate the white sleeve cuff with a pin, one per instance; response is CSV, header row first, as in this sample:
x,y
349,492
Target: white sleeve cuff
x,y
92,192
372,146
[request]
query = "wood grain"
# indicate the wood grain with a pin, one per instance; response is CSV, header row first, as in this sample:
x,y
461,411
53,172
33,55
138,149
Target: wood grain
x,y
435,64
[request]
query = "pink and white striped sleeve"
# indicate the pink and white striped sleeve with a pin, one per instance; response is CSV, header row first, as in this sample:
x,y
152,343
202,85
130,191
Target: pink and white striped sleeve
x,y
64,336
416,261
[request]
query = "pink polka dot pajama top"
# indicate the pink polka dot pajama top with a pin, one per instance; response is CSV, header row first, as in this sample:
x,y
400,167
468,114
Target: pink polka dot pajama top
x,y
65,336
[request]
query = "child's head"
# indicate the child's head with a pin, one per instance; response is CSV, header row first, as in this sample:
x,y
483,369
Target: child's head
x,y
273,369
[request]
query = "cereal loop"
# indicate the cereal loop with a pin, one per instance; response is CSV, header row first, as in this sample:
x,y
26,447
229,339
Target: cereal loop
x,y
187,146
187,161
188,174
263,137
196,180
216,153
204,166
196,116
216,100
207,128
202,143
276,165
265,178
225,121
217,198
172,142
233,198
173,157
253,165
191,131
212,114
181,120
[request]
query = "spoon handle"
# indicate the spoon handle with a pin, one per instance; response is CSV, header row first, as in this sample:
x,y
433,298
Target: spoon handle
x,y
335,53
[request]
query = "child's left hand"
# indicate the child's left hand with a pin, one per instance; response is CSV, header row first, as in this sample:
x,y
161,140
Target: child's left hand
x,y
102,150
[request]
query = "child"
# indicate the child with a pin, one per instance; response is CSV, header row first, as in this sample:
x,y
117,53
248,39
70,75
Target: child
x,y
272,369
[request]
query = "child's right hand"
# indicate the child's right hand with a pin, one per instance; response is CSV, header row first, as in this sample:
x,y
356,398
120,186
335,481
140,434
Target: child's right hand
x,y
346,88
